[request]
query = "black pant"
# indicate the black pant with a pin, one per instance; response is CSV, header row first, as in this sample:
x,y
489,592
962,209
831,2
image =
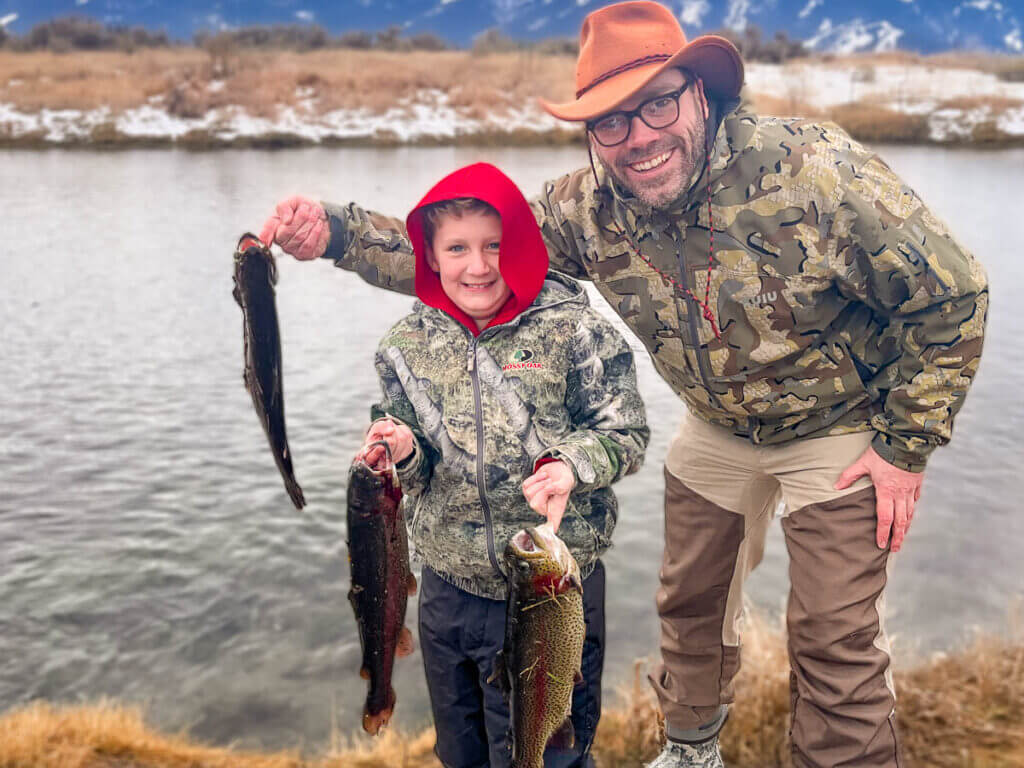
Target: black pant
x,y
460,634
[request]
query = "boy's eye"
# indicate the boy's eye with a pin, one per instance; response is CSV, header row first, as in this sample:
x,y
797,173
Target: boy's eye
x,y
455,248
495,245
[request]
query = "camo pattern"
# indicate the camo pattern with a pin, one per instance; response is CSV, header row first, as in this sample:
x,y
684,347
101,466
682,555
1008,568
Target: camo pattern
x,y
558,381
844,304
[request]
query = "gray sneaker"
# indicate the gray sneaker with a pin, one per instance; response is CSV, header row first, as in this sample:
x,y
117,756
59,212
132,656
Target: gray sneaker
x,y
677,755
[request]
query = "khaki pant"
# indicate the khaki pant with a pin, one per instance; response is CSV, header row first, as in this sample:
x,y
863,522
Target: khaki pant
x,y
721,493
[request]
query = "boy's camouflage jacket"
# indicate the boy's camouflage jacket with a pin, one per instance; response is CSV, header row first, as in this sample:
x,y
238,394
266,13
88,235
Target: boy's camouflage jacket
x,y
844,304
558,380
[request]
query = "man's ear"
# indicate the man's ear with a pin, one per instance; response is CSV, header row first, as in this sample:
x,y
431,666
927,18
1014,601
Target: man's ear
x,y
702,98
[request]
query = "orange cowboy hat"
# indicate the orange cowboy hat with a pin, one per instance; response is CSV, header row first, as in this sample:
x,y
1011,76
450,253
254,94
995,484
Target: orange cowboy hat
x,y
625,46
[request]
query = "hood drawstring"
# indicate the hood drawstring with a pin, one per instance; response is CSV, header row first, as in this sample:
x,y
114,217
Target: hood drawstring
x,y
705,306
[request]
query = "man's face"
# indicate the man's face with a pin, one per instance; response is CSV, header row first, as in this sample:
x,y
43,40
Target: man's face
x,y
656,164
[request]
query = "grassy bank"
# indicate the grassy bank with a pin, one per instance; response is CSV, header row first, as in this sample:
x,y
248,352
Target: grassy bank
x,y
960,710
196,99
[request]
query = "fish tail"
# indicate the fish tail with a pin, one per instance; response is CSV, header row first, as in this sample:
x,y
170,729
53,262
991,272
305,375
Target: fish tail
x,y
295,492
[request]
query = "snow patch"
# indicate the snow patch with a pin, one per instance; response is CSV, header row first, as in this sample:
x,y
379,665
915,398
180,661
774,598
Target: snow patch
x,y
855,35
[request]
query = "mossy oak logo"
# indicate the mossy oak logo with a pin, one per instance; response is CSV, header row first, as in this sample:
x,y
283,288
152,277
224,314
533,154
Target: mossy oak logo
x,y
521,359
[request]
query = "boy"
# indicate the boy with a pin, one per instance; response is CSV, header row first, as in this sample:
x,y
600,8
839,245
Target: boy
x,y
503,392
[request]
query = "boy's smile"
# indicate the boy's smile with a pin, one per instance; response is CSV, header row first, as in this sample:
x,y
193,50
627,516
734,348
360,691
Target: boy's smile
x,y
464,253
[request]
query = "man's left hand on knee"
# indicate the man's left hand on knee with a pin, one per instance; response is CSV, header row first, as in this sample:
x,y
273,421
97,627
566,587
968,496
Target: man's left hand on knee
x,y
896,492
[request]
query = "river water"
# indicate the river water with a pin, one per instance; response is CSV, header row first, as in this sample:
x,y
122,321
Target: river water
x,y
147,549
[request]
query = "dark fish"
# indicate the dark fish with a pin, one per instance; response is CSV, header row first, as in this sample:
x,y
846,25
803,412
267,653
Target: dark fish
x,y
255,277
378,555
543,651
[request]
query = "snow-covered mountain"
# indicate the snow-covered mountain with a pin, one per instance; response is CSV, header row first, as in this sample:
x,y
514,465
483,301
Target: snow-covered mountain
x,y
826,25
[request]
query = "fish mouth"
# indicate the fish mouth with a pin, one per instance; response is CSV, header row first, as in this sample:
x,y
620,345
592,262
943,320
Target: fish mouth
x,y
247,241
379,465
523,542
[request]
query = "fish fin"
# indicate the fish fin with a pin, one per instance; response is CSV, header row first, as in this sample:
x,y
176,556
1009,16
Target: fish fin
x,y
577,677
373,723
364,673
564,737
411,585
405,645
568,582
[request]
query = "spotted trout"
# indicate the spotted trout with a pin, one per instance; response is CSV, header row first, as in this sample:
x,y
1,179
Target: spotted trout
x,y
543,650
255,278
378,556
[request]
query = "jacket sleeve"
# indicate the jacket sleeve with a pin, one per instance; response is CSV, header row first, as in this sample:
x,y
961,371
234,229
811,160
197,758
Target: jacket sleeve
x,y
377,248
415,470
605,407
550,210
372,245
895,256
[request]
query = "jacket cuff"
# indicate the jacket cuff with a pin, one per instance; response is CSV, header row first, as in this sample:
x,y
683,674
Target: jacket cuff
x,y
901,459
337,219
578,462
408,468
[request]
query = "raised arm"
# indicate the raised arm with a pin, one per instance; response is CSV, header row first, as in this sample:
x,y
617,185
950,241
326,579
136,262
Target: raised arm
x,y
376,247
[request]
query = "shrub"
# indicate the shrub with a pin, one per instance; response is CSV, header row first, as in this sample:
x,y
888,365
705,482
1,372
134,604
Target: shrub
x,y
493,40
357,39
753,48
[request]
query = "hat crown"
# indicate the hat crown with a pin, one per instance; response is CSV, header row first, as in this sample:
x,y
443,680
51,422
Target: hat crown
x,y
625,35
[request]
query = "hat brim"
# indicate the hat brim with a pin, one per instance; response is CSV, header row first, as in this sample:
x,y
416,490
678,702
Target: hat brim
x,y
714,60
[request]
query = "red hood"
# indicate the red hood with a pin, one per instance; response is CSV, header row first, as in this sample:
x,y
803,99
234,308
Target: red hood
x,y
523,260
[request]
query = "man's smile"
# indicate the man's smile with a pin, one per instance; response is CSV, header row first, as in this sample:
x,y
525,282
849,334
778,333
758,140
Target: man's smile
x,y
644,166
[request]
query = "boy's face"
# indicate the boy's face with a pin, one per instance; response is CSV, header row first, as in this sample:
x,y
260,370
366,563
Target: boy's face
x,y
464,253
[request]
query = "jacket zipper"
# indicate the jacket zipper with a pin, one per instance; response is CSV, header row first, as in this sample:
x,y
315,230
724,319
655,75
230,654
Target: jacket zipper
x,y
481,484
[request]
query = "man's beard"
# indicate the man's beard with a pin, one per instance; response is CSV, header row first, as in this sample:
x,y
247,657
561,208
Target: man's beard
x,y
691,152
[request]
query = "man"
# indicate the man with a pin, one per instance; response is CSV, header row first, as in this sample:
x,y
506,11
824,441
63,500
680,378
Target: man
x,y
821,325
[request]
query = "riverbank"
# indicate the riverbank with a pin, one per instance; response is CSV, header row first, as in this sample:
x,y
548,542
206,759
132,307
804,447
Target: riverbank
x,y
189,98
958,709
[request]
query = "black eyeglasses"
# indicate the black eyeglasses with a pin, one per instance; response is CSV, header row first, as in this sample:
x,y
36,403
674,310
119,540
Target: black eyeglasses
x,y
658,112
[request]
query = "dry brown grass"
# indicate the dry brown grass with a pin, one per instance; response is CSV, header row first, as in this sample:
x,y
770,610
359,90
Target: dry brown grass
x,y
91,80
961,710
262,81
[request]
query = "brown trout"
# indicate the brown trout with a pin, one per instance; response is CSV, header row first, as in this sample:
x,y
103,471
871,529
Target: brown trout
x,y
378,556
255,277
543,651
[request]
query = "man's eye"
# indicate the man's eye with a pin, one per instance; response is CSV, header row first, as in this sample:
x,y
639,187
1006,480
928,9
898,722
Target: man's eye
x,y
610,123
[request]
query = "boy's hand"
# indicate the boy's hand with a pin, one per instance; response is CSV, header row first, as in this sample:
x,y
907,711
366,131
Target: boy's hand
x,y
300,227
398,437
547,491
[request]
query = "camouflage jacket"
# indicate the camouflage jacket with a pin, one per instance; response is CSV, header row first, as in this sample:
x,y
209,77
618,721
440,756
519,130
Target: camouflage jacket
x,y
844,304
558,380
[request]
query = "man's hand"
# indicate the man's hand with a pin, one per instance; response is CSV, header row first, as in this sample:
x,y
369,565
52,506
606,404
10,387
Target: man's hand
x,y
547,491
300,227
398,437
896,491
